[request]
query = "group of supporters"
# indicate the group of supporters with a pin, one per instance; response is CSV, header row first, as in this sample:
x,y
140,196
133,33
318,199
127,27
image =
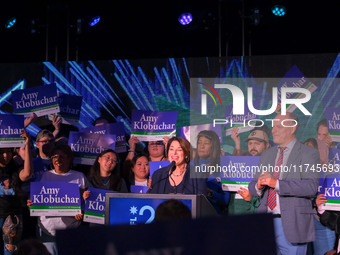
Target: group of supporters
x,y
290,197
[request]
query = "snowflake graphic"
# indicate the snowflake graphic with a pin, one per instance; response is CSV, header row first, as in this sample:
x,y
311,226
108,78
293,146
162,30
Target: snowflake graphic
x,y
133,209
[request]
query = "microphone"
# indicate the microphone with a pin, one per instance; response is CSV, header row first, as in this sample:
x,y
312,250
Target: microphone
x,y
172,169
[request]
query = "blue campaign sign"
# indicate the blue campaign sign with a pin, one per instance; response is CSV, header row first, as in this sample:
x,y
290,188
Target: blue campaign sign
x,y
70,107
138,189
55,194
333,122
110,129
41,100
153,125
239,168
135,210
155,165
11,127
87,146
96,202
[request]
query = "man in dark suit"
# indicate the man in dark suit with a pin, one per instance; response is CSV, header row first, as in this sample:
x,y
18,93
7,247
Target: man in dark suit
x,y
286,181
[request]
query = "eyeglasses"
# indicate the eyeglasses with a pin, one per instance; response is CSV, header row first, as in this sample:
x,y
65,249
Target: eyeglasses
x,y
45,141
156,143
110,159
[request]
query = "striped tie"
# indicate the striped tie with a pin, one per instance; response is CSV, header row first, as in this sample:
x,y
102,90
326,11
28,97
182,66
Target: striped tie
x,y
272,193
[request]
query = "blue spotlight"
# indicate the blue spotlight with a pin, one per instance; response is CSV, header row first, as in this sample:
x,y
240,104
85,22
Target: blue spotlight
x,y
185,19
10,22
94,21
279,10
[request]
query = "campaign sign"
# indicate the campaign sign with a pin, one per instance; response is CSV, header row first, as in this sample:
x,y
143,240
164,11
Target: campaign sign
x,y
134,211
243,122
138,189
294,78
95,206
86,146
153,125
333,122
70,107
190,132
55,199
237,171
331,189
41,100
110,129
11,127
155,165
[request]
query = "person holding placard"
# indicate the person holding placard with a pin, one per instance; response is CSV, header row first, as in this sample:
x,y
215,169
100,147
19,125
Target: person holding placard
x,y
61,157
105,173
13,197
175,178
208,153
155,150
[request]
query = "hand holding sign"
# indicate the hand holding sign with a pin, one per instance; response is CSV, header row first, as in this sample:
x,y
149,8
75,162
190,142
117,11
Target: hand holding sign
x,y
320,200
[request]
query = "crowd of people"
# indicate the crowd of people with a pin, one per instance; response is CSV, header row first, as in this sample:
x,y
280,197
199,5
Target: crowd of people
x,y
300,227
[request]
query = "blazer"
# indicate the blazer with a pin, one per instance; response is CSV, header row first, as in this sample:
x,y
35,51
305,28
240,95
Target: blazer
x,y
192,186
297,186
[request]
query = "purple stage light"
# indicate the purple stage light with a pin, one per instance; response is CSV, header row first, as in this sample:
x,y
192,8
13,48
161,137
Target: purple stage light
x,y
185,19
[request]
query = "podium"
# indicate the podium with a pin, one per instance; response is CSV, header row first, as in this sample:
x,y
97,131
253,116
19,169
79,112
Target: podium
x,y
135,208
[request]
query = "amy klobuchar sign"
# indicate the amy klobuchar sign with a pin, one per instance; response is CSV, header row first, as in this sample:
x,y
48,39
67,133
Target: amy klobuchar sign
x,y
55,199
95,206
333,123
153,125
70,107
237,171
11,127
87,146
40,100
116,129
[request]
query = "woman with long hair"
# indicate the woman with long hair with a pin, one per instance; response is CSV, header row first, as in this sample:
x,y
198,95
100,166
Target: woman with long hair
x,y
208,153
105,173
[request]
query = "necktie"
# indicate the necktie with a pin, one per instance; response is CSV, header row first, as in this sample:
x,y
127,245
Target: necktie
x,y
272,193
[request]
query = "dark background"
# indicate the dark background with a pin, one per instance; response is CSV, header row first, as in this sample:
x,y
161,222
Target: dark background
x,y
140,29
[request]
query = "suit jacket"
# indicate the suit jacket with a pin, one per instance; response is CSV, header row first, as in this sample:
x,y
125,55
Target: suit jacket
x,y
192,186
297,186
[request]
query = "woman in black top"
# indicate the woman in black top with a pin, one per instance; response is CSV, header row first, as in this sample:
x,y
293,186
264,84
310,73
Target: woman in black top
x,y
105,173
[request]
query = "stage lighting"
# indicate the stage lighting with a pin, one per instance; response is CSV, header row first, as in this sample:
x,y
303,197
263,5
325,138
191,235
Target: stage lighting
x,y
10,22
94,21
279,10
185,18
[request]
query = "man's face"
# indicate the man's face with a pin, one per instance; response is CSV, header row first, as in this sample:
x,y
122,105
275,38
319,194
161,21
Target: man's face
x,y
6,156
322,133
255,148
45,145
282,135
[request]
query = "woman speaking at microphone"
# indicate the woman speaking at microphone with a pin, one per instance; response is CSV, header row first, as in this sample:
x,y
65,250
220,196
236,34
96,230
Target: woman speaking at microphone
x,y
175,178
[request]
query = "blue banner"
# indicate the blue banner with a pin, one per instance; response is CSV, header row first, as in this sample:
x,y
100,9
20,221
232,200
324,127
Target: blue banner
x,y
55,199
11,127
237,171
87,146
155,165
153,125
40,100
70,107
138,189
135,210
110,129
95,206
333,123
